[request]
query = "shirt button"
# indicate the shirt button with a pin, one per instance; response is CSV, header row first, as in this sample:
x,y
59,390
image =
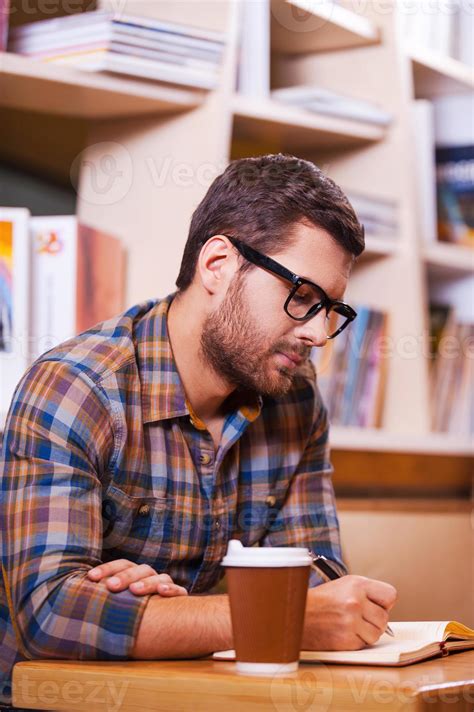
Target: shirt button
x,y
205,458
270,500
144,510
217,524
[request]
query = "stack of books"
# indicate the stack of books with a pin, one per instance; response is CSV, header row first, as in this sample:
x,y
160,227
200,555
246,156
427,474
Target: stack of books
x,y
351,371
378,215
325,101
137,46
58,277
452,371
445,180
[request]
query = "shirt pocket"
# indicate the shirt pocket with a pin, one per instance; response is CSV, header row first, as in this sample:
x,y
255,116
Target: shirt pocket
x,y
133,528
254,519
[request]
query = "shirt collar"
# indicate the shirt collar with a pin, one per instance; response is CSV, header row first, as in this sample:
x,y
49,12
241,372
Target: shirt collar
x,y
162,391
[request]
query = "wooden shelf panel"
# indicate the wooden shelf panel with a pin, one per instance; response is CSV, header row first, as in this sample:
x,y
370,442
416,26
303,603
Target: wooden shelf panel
x,y
301,26
30,85
435,75
294,129
372,440
448,260
379,247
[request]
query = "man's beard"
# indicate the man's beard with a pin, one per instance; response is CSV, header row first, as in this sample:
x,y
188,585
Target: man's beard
x,y
236,349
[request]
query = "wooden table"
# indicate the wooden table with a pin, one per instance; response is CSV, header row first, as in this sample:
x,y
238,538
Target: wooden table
x,y
204,685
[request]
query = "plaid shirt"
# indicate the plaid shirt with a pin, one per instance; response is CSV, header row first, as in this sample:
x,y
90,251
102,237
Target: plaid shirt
x,y
103,458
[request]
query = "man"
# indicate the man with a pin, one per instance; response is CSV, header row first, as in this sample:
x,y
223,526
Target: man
x,y
133,452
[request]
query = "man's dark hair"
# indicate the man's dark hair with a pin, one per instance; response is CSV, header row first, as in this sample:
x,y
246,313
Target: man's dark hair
x,y
259,200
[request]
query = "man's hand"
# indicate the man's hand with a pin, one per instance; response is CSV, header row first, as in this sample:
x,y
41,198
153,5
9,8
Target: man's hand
x,y
141,579
347,614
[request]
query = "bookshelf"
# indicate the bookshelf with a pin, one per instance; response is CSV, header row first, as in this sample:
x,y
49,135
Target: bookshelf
x,y
375,440
178,139
436,76
378,247
449,260
267,120
395,485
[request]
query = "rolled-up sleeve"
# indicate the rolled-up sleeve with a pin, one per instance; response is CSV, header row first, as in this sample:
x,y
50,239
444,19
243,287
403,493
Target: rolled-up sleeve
x,y
308,516
58,443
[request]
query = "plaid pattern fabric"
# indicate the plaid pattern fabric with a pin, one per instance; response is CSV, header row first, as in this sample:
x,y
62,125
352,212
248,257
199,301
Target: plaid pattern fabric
x,y
103,458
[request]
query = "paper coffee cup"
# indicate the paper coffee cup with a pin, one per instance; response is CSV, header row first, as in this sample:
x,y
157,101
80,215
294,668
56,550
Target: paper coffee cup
x,y
267,592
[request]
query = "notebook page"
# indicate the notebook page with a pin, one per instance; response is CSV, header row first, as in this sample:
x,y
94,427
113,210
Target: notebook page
x,y
410,637
385,650
420,631
458,630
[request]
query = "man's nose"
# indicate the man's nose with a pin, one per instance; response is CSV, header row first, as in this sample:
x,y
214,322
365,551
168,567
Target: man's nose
x,y
314,331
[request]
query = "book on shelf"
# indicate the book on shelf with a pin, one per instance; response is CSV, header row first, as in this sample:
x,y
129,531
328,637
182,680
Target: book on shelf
x,y
378,215
125,44
444,176
455,194
14,300
452,371
351,371
4,16
413,641
78,277
325,101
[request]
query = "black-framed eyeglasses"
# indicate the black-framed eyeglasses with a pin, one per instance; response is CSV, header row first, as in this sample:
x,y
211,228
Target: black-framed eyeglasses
x,y
306,299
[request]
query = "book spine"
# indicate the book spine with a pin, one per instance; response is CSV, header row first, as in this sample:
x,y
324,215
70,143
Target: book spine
x,y
100,277
14,300
455,193
54,275
354,366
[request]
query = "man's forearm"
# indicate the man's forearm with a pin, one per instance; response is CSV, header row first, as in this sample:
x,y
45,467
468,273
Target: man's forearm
x,y
185,626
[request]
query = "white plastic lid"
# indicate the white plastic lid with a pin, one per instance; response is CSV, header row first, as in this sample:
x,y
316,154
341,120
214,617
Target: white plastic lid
x,y
266,556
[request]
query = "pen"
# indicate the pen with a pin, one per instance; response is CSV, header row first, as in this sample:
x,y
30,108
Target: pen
x,y
323,566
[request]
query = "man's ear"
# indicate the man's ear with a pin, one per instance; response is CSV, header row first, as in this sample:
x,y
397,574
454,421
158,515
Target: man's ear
x,y
217,264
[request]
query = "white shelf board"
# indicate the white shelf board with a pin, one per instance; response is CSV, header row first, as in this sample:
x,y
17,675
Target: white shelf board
x,y
373,440
296,128
435,75
379,246
301,26
445,259
31,85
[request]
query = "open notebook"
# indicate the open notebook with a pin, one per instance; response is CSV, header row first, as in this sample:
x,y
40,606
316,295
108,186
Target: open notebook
x,y
412,641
